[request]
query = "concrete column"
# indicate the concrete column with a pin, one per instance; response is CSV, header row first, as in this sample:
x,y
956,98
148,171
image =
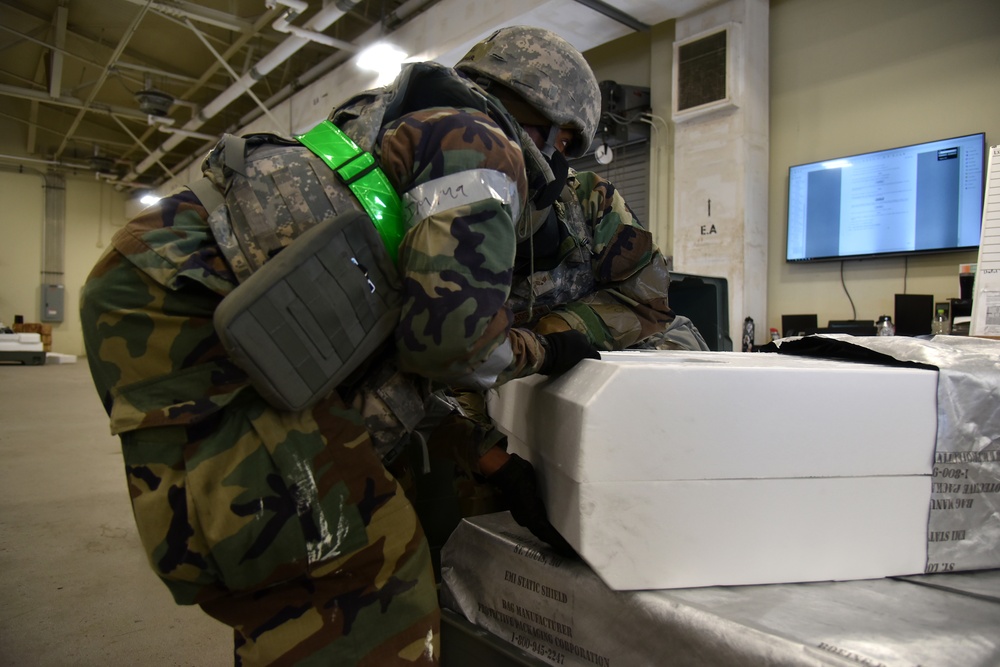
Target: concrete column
x,y
720,216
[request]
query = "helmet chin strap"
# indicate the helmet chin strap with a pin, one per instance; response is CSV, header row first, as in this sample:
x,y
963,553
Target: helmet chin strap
x,y
559,169
553,167
550,142
556,170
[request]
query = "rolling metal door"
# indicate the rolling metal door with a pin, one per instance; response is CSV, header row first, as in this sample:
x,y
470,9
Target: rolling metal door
x,y
628,171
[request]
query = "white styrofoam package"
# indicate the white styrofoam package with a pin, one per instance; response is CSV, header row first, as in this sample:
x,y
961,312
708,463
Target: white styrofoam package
x,y
25,348
20,342
674,469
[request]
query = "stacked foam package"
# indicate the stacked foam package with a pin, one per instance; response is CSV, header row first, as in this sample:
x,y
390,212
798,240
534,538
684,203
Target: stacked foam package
x,y
683,469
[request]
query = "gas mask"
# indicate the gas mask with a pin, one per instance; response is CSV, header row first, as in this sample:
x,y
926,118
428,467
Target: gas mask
x,y
547,173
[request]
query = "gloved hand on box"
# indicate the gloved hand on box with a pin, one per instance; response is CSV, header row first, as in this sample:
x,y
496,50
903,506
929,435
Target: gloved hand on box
x,y
516,481
564,350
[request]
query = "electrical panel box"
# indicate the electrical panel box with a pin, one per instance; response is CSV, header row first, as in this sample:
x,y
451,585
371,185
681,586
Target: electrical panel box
x,y
623,99
52,303
622,108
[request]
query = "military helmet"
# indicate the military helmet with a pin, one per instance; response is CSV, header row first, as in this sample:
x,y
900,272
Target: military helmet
x,y
546,72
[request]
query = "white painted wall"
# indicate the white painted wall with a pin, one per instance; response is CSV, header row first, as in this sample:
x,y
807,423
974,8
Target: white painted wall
x,y
94,211
853,76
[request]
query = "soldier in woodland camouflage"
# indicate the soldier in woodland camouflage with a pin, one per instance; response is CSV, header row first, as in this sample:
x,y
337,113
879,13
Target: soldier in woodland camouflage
x,y
286,525
584,264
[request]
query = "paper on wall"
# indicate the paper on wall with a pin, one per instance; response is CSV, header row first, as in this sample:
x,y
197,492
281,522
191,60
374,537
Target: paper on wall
x,y
986,298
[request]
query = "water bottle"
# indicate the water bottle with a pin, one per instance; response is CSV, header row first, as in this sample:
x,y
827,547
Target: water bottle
x,y
940,325
885,327
748,334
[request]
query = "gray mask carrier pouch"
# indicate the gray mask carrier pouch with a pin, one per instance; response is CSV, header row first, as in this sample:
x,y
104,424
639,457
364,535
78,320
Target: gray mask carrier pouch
x,y
313,313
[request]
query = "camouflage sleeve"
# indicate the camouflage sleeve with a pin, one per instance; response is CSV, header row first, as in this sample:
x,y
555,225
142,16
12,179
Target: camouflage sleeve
x,y
631,277
462,180
161,264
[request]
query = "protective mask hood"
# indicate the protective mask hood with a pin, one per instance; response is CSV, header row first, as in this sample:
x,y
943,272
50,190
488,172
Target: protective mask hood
x,y
547,177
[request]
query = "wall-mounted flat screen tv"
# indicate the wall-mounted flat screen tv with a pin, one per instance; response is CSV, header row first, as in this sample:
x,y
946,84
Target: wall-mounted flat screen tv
x,y
926,197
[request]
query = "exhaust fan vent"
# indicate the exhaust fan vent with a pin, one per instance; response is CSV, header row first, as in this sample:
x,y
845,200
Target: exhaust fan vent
x,y
102,164
154,102
705,72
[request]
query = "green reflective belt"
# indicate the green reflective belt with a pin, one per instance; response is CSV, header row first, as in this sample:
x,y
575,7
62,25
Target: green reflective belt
x,y
358,171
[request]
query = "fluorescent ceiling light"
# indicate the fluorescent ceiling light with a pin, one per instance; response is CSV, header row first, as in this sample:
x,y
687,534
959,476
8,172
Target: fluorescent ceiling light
x,y
383,58
149,199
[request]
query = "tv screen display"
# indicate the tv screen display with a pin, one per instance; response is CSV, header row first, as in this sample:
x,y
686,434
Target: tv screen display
x,y
926,197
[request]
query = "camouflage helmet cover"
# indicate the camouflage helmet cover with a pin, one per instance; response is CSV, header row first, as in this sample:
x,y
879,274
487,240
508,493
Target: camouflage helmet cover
x,y
546,72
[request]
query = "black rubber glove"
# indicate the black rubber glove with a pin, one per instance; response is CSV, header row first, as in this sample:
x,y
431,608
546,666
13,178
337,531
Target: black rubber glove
x,y
565,349
516,481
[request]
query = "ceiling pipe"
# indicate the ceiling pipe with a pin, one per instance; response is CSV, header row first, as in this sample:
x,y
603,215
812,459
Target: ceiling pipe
x,y
284,24
396,17
322,20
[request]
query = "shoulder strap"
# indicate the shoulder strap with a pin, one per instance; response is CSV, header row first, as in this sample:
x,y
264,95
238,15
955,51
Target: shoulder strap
x,y
206,192
218,221
358,170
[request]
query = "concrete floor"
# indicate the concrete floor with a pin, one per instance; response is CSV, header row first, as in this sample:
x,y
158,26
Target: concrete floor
x,y
75,588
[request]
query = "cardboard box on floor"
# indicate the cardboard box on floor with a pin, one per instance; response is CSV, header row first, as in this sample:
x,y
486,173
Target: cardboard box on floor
x,y
43,330
681,469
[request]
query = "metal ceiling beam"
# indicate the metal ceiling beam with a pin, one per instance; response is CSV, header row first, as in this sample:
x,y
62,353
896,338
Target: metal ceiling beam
x,y
210,71
97,44
66,101
139,141
121,64
55,71
122,43
323,19
104,141
189,10
615,14
232,73
33,111
52,47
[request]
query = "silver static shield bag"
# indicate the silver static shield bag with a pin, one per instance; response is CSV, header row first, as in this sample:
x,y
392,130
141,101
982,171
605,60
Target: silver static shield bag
x,y
507,583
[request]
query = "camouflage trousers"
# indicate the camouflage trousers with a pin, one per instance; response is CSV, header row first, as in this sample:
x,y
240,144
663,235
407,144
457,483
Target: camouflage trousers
x,y
286,527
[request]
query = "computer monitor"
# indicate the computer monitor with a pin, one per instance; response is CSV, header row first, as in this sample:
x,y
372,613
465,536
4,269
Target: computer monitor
x,y
852,327
798,325
923,198
913,314
705,301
